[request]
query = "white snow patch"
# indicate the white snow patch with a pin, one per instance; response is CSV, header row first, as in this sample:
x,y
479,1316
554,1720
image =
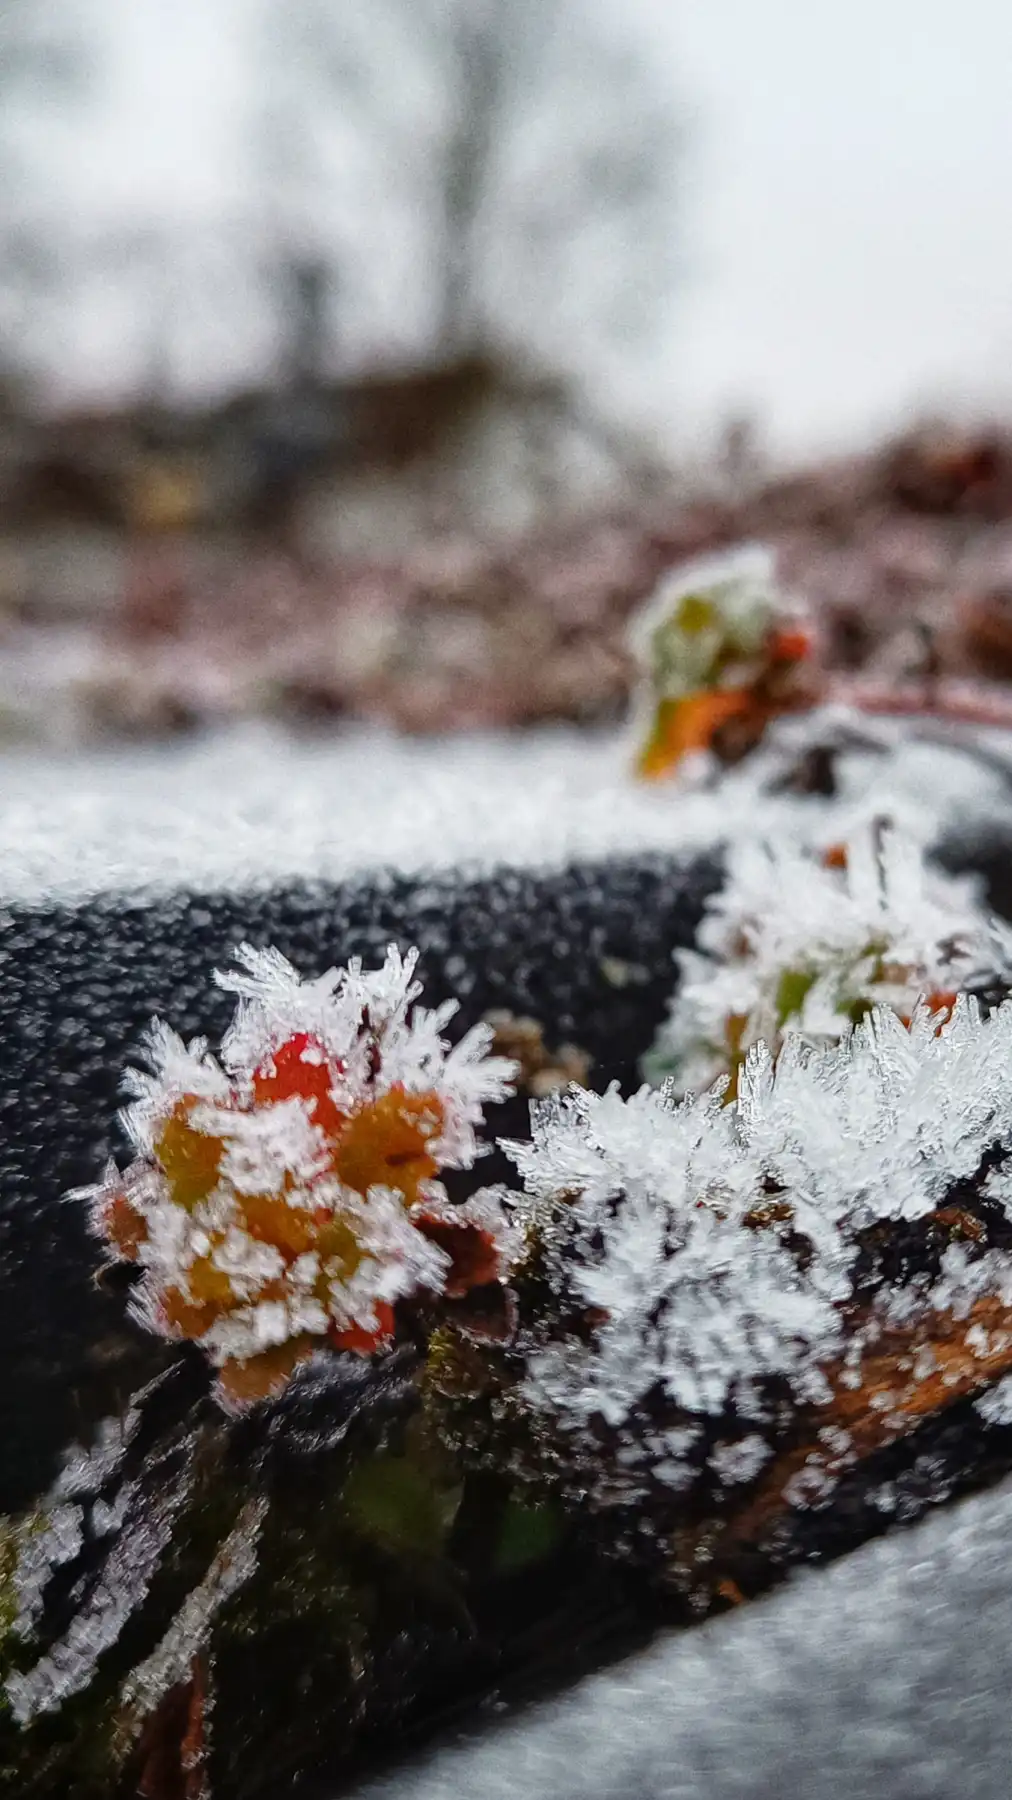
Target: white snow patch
x,y
252,806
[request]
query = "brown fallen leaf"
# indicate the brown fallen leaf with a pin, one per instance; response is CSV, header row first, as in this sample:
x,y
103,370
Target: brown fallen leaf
x,y
172,1752
909,1377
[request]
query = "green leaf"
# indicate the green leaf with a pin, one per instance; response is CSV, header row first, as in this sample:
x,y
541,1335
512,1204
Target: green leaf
x,y
528,1534
793,989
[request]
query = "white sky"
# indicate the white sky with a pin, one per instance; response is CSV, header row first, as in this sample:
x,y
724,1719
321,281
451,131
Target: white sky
x,y
850,207
848,245
154,138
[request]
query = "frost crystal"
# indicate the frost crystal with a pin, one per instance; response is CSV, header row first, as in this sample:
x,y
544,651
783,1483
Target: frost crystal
x,y
172,1660
287,1195
995,1407
709,1248
795,944
51,1540
739,1461
145,1527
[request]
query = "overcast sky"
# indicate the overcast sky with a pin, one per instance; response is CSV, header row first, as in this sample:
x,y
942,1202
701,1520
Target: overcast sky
x,y
848,244
851,206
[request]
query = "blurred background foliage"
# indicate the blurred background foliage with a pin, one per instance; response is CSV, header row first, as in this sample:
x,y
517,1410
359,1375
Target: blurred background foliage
x,y
373,358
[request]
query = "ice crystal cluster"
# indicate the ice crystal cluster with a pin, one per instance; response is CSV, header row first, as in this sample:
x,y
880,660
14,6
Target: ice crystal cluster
x,y
708,1256
798,943
721,647
94,1501
286,1195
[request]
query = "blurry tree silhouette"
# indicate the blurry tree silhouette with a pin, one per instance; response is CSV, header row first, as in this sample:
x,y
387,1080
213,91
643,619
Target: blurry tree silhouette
x,y
528,147
43,66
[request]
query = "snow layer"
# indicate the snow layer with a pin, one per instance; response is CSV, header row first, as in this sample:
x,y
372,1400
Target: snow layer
x,y
884,1677
253,806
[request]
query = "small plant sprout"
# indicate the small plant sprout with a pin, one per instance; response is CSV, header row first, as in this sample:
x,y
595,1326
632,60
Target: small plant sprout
x,y
286,1197
722,651
802,943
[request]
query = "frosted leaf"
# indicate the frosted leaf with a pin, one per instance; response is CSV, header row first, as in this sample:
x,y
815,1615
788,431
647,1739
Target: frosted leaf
x,y
791,946
266,1146
276,1002
172,1660
492,1213
722,650
293,1199
174,1069
741,598
372,1034
397,1261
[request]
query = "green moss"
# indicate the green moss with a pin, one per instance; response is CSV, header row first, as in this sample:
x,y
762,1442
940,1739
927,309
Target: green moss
x,y
394,1500
528,1534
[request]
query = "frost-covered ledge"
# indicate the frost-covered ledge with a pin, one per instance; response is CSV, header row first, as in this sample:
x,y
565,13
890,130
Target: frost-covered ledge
x,y
884,1677
535,877
252,807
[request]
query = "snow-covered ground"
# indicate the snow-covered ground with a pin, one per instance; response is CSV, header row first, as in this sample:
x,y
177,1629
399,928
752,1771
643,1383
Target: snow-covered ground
x,y
844,253
250,806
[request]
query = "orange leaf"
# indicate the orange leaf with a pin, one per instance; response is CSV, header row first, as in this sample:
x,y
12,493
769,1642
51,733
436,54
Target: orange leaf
x,y
124,1226
682,726
263,1376
386,1144
290,1229
191,1159
362,1341
474,1256
789,644
290,1075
